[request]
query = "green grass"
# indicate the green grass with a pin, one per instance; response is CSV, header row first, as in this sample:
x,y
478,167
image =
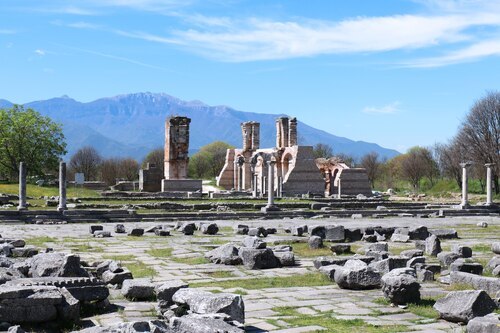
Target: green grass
x,y
40,241
120,257
141,270
305,280
160,253
481,248
332,324
303,250
458,287
424,309
190,260
220,274
86,247
39,191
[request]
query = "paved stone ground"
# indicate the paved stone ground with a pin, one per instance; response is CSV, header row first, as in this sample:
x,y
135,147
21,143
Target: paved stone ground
x,y
186,263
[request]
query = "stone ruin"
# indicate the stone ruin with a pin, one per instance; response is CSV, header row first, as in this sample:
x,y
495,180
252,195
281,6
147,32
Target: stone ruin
x,y
294,173
176,162
341,180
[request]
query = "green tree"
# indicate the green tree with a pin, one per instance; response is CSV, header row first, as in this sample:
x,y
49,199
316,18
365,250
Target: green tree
x,y
322,150
209,160
27,136
156,157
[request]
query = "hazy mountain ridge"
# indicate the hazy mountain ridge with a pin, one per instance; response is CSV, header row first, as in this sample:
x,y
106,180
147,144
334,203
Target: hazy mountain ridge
x,y
133,124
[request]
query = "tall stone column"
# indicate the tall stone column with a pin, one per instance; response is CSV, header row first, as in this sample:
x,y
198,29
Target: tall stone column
x,y
240,177
489,187
254,187
270,189
22,187
465,184
62,187
235,175
279,192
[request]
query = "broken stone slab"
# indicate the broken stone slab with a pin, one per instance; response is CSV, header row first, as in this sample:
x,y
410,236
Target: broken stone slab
x,y
489,284
376,255
353,234
463,251
325,261
154,326
116,278
166,290
317,230
259,232
138,289
202,302
432,245
120,229
297,231
356,275
329,271
412,253
241,229
258,258
425,275
399,238
254,242
487,324
447,258
493,263
413,262
387,265
340,248
444,233
56,264
370,238
226,254
209,228
418,233
400,286
315,242
460,265
94,228
463,306
24,252
162,233
188,228
378,247
102,234
8,274
334,233
286,258
136,232
197,324
495,247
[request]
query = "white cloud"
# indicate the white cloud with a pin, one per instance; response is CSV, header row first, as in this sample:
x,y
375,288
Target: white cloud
x,y
7,32
147,5
40,52
386,109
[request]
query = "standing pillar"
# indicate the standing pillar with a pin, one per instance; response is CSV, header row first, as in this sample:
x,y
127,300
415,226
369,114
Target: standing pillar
x,y
62,187
235,175
254,187
279,192
270,188
489,186
240,177
22,187
465,184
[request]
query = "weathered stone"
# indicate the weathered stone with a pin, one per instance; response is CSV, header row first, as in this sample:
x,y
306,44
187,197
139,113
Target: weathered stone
x,y
209,228
166,290
482,224
285,258
56,264
355,274
418,233
315,242
420,245
254,242
329,271
444,233
259,232
411,253
8,274
282,248
460,265
102,234
340,248
387,265
378,247
297,231
199,324
241,229
69,309
226,254
24,252
116,278
414,261
120,229
138,289
425,275
17,242
493,263
15,329
376,255
94,228
6,249
495,247
6,262
154,326
463,251
487,324
400,286
369,238
317,230
203,302
353,234
462,306
489,284
334,233
400,238
432,245
136,232
446,258
162,233
258,258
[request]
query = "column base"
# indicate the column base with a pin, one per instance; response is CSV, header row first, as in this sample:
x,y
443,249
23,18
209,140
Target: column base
x,y
270,208
61,209
463,206
21,209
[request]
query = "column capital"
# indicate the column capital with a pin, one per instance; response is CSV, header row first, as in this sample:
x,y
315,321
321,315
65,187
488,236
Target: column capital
x,y
465,164
489,165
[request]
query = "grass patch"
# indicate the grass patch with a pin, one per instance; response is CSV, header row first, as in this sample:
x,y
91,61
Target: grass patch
x,y
39,191
160,253
424,309
332,324
481,248
458,287
86,247
40,241
303,250
120,257
305,280
220,274
190,260
141,270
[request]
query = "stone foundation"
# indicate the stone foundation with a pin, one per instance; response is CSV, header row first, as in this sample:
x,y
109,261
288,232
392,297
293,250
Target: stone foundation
x,y
181,185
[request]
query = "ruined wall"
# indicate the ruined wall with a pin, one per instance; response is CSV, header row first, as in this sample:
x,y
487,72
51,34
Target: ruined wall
x,y
176,147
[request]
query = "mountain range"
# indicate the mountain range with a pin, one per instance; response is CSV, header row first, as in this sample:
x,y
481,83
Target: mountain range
x,y
133,124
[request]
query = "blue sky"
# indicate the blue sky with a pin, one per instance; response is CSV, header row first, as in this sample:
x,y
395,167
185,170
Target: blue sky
x,y
398,73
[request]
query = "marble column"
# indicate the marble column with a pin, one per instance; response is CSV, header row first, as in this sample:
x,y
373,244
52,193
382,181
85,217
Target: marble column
x,y
62,187
279,192
465,184
22,187
489,187
270,187
254,187
235,174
